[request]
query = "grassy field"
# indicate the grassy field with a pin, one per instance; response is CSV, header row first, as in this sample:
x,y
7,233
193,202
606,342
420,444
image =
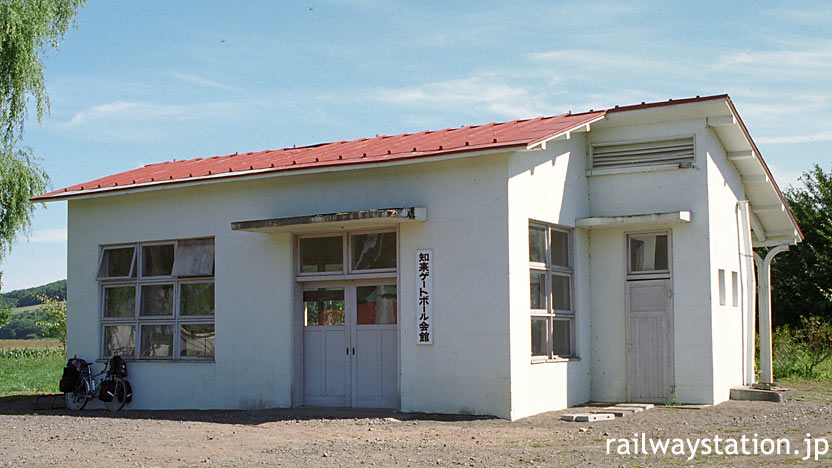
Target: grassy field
x,y
31,344
30,366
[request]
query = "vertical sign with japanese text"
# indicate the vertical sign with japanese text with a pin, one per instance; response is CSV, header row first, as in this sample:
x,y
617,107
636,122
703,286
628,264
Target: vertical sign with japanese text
x,y
424,298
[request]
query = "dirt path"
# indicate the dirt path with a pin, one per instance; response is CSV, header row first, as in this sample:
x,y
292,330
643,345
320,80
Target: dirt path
x,y
308,438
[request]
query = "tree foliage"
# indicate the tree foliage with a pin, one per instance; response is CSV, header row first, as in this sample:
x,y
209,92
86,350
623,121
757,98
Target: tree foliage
x,y
20,178
802,277
55,318
31,296
28,30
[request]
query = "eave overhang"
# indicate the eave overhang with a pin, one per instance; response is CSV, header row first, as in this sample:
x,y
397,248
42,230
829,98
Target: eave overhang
x,y
344,220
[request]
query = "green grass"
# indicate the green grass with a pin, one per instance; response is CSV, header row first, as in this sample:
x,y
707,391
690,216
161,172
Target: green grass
x,y
26,370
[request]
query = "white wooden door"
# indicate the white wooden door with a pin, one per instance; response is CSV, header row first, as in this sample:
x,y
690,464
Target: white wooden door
x,y
350,346
649,341
376,340
325,347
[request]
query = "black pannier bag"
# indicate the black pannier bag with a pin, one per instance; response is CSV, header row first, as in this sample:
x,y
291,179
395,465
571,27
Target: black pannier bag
x,y
69,379
118,367
107,390
128,392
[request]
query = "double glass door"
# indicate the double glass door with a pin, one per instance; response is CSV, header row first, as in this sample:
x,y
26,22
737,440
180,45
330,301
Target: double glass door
x,y
350,344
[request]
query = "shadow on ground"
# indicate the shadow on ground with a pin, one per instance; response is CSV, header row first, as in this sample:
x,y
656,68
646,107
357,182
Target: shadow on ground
x,y
54,404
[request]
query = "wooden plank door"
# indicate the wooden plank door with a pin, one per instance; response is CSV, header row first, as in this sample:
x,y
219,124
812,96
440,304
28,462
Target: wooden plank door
x,y
649,341
376,340
325,347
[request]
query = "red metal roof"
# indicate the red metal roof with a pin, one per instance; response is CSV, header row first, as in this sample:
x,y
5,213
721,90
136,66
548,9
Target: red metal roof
x,y
376,150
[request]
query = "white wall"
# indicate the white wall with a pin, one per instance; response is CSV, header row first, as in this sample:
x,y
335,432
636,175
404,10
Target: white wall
x,y
642,193
465,371
547,186
724,190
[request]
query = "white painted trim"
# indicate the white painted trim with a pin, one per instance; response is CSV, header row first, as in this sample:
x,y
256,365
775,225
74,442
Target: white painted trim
x,y
775,241
635,169
757,227
740,155
768,208
673,217
721,121
584,127
755,179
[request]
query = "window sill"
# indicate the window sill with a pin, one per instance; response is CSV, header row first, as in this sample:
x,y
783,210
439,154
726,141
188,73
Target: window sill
x,y
135,361
637,169
555,360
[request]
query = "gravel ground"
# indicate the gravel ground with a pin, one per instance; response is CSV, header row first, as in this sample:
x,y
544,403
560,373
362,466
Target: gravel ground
x,y
340,438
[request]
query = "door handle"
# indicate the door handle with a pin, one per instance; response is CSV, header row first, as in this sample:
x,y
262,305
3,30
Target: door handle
x,y
353,351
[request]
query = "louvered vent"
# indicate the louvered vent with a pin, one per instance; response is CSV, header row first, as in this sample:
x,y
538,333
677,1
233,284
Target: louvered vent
x,y
648,153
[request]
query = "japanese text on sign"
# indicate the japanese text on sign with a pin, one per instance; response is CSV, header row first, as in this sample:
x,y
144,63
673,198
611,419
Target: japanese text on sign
x,y
424,305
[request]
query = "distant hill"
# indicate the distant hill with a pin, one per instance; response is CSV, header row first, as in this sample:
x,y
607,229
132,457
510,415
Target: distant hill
x,y
28,297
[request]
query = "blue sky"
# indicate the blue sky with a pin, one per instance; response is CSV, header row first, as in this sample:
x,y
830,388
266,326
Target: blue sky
x,y
138,83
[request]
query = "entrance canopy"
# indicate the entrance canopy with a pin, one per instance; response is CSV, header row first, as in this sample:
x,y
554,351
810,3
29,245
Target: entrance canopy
x,y
341,220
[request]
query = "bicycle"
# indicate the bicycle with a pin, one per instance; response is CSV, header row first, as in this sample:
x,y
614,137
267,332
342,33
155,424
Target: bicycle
x,y
112,389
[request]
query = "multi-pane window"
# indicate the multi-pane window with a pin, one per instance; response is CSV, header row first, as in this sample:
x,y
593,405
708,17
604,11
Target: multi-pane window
x,y
349,253
550,275
157,300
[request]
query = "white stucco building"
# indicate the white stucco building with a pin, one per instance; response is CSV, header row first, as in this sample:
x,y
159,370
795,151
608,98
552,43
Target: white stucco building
x,y
504,269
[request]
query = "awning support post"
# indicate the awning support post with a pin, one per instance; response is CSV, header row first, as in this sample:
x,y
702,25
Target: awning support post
x,y
764,305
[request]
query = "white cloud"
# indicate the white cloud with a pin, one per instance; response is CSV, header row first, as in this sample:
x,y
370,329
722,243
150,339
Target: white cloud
x,y
476,94
145,111
198,80
598,60
802,64
810,138
48,236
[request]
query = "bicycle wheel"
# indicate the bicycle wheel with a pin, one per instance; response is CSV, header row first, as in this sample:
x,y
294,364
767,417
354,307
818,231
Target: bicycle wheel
x,y
77,399
119,396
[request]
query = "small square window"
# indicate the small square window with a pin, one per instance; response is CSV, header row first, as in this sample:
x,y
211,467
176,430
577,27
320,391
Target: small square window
x,y
539,337
119,340
321,254
194,258
120,302
561,292
735,289
323,306
196,299
117,263
157,260
537,244
538,289
721,279
197,340
373,251
561,343
560,248
376,305
649,253
157,341
156,300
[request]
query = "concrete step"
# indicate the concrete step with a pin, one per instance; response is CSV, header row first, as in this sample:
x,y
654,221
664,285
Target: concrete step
x,y
774,394
587,417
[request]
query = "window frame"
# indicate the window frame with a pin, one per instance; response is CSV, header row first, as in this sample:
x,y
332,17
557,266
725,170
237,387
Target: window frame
x,y
652,274
346,256
176,320
134,268
548,270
